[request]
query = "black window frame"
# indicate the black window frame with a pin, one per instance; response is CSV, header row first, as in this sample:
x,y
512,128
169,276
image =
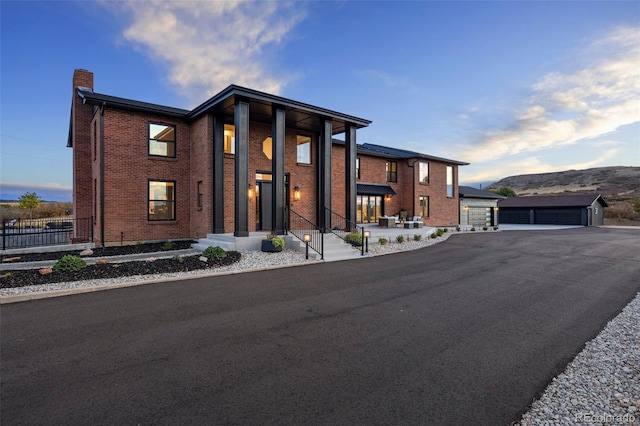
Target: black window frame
x,y
424,182
200,194
452,186
173,202
422,205
392,175
310,149
150,139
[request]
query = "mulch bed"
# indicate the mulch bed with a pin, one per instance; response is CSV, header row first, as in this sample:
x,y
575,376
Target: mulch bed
x,y
101,252
22,278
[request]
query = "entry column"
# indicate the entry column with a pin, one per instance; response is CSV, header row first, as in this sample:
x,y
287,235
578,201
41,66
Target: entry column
x,y
350,152
324,175
241,122
218,174
277,169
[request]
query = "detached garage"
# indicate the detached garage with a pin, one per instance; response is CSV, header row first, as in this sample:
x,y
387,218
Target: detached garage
x,y
578,209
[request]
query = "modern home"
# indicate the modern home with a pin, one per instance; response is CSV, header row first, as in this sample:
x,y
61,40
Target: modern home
x,y
570,209
478,207
242,161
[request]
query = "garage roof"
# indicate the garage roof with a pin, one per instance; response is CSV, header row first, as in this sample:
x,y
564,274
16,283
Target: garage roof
x,y
574,200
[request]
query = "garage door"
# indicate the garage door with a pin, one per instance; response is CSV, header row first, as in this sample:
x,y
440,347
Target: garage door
x,y
518,216
479,216
558,216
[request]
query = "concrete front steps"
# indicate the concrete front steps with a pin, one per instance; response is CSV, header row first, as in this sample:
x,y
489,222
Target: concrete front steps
x,y
334,247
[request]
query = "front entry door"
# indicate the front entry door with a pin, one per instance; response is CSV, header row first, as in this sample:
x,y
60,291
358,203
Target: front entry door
x,y
264,201
263,216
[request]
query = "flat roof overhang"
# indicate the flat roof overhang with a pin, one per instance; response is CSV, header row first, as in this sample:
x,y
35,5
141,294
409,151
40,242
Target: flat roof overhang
x,y
298,114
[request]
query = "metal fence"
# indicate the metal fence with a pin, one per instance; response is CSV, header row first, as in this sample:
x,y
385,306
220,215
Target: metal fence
x,y
22,233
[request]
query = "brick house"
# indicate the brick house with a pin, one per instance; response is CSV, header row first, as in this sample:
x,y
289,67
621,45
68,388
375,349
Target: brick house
x,y
147,172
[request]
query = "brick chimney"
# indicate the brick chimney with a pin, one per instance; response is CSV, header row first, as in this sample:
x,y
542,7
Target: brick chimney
x,y
80,141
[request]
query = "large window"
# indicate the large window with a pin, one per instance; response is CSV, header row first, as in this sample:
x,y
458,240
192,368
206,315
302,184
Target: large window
x,y
162,140
357,167
424,172
392,171
424,206
162,200
450,181
229,139
304,149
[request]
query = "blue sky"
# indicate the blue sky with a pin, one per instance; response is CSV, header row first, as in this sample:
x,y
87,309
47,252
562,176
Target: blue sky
x,y
510,87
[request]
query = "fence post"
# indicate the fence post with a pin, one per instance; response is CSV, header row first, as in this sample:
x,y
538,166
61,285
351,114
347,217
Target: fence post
x,y
4,233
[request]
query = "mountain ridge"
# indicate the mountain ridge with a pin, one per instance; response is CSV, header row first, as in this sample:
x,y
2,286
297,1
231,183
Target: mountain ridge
x,y
614,183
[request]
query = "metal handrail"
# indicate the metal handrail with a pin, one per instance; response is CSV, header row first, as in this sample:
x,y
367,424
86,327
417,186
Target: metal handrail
x,y
299,226
343,228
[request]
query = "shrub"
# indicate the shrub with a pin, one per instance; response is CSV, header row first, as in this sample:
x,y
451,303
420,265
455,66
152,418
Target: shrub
x,y
217,253
69,263
276,240
382,241
473,229
458,228
168,245
440,232
434,235
400,238
484,228
178,258
445,230
495,228
417,237
354,238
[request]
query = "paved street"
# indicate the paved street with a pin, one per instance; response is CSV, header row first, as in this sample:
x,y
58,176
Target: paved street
x,y
465,332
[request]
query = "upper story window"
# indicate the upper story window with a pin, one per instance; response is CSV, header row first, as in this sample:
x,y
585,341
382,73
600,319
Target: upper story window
x,y
357,167
304,149
162,140
229,139
424,172
162,200
450,190
267,147
392,171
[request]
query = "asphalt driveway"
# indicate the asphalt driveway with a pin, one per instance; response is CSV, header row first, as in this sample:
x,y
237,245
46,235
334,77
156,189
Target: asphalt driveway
x,y
467,331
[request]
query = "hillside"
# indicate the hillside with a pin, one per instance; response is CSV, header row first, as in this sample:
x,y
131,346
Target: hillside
x,y
613,183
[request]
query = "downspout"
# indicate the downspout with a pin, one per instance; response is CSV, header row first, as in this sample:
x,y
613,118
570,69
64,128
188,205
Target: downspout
x,y
104,105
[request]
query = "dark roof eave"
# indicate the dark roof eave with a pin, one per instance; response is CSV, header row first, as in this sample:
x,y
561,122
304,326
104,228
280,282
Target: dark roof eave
x,y
93,98
234,90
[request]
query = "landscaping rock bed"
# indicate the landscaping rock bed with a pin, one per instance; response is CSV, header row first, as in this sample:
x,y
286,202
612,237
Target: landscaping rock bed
x,y
149,266
100,252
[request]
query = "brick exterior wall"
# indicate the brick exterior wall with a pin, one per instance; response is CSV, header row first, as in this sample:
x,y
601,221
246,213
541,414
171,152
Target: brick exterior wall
x,y
110,151
81,137
201,170
127,171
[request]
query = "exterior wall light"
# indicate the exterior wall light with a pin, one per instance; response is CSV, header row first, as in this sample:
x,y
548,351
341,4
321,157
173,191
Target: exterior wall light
x,y
387,197
296,193
307,239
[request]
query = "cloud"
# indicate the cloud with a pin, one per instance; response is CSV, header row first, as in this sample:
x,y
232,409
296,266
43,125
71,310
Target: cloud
x,y
532,165
47,191
567,108
207,45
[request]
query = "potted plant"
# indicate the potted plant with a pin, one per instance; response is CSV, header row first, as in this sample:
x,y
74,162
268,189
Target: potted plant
x,y
272,244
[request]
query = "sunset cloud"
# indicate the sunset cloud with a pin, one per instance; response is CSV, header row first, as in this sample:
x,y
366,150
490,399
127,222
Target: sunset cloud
x,y
208,45
570,107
